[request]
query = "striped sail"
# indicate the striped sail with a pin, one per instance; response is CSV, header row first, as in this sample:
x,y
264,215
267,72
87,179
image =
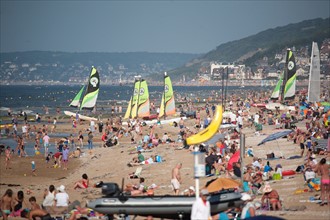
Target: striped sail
x,y
129,109
290,84
314,83
134,104
276,93
76,101
92,91
143,100
167,106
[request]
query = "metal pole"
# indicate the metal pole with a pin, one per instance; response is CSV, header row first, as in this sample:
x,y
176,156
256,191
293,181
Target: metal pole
x,y
223,85
196,178
242,151
224,107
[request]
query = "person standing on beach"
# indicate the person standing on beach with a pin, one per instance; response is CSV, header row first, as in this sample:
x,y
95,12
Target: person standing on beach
x,y
90,142
92,126
201,209
65,157
54,126
81,139
322,169
301,141
8,157
46,143
33,166
176,178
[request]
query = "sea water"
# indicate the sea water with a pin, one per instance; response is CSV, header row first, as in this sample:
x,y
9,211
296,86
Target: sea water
x,y
35,98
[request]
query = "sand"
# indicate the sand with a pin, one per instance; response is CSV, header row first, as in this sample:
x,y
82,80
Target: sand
x,y
110,165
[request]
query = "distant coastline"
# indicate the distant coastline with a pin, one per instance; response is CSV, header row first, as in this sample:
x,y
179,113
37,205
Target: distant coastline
x,y
270,83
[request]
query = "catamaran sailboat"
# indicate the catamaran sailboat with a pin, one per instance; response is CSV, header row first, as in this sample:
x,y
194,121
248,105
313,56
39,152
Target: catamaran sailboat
x,y
286,87
88,100
139,104
314,83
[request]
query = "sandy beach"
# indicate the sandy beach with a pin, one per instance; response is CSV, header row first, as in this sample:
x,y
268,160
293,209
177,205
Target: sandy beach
x,y
110,165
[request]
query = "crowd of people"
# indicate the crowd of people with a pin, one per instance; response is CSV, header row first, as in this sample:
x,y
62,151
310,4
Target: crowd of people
x,y
218,155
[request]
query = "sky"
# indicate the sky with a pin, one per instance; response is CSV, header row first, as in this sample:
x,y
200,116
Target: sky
x,y
153,26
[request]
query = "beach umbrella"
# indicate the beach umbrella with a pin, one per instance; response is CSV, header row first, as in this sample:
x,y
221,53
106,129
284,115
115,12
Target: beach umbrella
x,y
215,139
233,159
275,136
218,184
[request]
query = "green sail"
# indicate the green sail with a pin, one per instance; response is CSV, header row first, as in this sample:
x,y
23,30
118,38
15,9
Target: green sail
x,y
276,93
143,100
167,105
92,90
129,109
76,101
134,104
290,84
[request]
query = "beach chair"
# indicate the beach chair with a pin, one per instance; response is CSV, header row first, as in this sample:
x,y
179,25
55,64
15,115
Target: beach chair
x,y
136,174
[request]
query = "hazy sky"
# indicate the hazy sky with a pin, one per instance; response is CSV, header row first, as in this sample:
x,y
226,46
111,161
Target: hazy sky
x,y
153,26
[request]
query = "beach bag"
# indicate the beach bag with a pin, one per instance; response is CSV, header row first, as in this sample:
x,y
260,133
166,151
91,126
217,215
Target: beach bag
x,y
258,127
270,156
300,168
277,176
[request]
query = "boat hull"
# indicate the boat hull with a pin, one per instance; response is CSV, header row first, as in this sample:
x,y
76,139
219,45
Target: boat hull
x,y
162,206
83,117
274,106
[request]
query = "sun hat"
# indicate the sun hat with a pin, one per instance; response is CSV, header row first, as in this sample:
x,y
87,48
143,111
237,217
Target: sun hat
x,y
192,188
204,192
61,188
267,189
246,197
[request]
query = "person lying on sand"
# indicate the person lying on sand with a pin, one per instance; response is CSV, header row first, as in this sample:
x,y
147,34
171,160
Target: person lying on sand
x,y
32,214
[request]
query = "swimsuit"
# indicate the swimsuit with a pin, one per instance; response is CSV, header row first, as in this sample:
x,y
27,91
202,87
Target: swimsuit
x,y
6,211
85,185
325,181
175,184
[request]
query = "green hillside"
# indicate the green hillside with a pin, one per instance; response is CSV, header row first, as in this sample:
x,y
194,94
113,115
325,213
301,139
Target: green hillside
x,y
266,43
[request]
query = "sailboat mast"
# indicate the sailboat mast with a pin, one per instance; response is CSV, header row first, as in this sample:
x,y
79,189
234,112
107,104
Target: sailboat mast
x,y
285,75
224,107
138,96
310,73
165,74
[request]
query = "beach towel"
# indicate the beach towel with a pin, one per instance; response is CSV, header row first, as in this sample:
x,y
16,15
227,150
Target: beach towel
x,y
136,174
294,157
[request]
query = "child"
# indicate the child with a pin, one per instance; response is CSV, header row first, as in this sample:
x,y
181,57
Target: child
x,y
33,168
34,204
48,158
8,156
36,150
